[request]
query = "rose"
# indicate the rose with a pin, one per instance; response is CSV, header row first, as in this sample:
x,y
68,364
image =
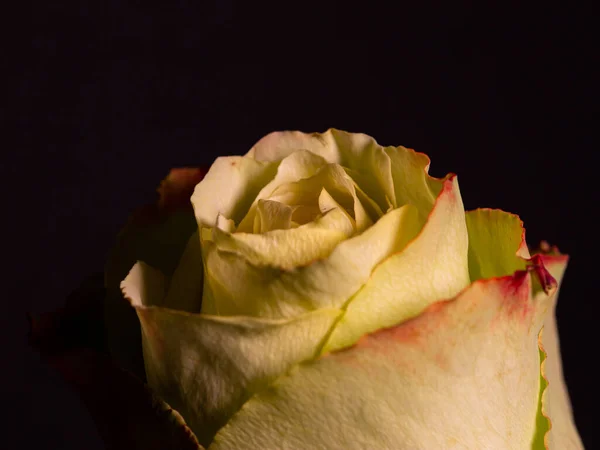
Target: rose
x,y
335,295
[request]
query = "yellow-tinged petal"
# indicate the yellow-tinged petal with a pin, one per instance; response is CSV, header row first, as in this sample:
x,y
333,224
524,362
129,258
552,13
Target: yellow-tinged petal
x,y
431,267
207,366
229,188
236,285
412,182
339,185
297,166
272,215
391,176
358,152
462,375
287,249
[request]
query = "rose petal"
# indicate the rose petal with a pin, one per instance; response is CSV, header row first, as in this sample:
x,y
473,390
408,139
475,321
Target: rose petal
x,y
229,188
338,184
433,266
243,287
355,151
271,215
464,375
207,366
556,405
285,249
297,166
496,243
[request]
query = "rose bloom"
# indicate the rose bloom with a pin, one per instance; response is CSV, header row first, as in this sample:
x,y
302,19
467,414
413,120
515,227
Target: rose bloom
x,y
331,294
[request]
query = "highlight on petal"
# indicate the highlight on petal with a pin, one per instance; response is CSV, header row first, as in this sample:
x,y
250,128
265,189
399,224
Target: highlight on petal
x,y
431,267
556,405
229,188
464,375
236,285
205,366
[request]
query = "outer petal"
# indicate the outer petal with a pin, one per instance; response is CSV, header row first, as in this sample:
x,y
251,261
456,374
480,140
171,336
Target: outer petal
x,y
433,266
207,366
497,248
556,405
463,375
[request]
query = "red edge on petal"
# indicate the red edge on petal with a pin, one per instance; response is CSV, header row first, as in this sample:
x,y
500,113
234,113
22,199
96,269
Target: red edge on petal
x,y
536,265
447,191
546,254
517,305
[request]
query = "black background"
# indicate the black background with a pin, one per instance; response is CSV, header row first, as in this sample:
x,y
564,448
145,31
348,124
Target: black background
x,y
108,96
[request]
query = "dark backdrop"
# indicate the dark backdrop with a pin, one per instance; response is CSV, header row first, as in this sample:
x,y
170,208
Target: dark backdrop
x,y
108,97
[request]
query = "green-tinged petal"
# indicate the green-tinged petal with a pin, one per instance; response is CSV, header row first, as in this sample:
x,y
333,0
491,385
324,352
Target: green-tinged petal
x,y
433,266
206,367
272,215
412,183
463,375
297,166
359,153
496,243
229,188
556,405
235,285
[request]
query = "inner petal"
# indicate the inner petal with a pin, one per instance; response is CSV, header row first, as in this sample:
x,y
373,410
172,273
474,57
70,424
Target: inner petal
x,y
272,215
304,194
299,165
291,248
